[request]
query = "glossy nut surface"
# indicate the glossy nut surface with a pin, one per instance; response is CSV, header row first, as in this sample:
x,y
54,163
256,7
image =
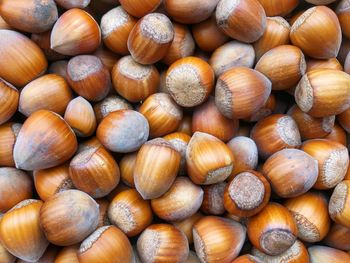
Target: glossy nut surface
x,y
333,160
51,181
130,212
116,26
123,131
110,104
49,92
241,20
162,113
283,65
208,159
104,245
133,81
80,116
233,97
331,63
199,10
306,33
32,151
180,141
207,118
152,181
206,28
140,8
274,133
182,46
245,150
181,201
95,172
9,99
278,8
291,172
338,237
276,34
127,165
310,212
218,239
68,4
20,231
22,59
88,77
323,254
30,16
75,32
147,45
232,54
68,254
16,186
311,127
8,136
319,94
68,217
162,242
273,230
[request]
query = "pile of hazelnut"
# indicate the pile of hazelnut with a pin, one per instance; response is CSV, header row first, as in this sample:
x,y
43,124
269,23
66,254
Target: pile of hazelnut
x,y
174,131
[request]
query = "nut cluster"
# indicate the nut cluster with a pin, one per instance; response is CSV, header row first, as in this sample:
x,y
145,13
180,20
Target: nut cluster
x,y
174,131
